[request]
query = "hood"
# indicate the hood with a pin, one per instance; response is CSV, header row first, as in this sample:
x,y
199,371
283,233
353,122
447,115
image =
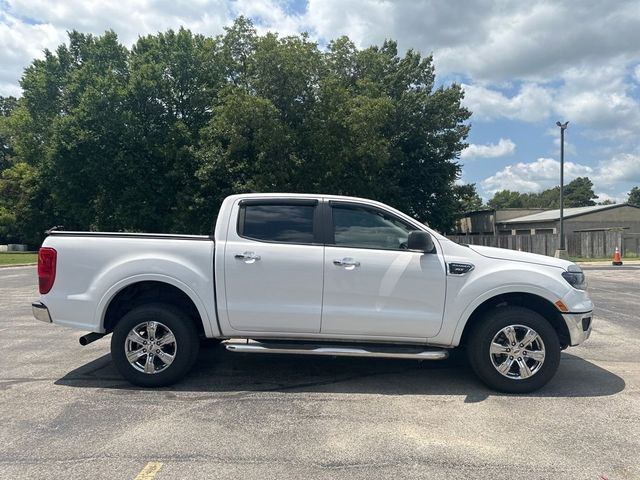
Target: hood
x,y
513,255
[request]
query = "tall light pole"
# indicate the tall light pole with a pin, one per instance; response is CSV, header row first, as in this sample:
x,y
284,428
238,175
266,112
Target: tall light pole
x,y
563,127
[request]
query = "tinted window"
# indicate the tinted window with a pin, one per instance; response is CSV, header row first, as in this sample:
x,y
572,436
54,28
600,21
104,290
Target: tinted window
x,y
368,228
279,223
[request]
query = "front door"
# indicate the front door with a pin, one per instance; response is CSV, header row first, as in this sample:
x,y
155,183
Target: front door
x,y
374,286
273,267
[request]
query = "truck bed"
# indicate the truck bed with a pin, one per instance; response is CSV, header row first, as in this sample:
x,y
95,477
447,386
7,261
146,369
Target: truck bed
x,y
92,267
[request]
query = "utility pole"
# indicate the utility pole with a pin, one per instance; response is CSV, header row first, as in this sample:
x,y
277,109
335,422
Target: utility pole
x,y
562,252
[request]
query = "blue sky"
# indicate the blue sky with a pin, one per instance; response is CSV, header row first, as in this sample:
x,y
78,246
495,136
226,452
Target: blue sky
x,y
524,65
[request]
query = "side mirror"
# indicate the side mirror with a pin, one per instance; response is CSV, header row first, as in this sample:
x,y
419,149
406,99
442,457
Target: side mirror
x,y
420,241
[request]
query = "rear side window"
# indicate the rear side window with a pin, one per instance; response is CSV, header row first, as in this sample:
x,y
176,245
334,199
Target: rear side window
x,y
277,223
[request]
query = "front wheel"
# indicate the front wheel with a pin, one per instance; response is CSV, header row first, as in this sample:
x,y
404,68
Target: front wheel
x,y
514,350
154,345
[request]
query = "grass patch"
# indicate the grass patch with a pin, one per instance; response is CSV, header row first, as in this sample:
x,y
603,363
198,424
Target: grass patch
x,y
16,258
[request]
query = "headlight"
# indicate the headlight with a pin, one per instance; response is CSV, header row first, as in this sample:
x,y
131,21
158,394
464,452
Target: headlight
x,y
575,277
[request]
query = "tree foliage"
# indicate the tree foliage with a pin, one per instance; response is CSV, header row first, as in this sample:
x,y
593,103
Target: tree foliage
x,y
577,193
467,198
7,105
634,197
152,138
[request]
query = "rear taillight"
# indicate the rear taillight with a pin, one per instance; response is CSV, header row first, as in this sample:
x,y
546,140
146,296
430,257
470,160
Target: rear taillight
x,y
46,268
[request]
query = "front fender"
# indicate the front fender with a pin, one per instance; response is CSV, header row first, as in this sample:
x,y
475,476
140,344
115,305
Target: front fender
x,y
516,288
490,279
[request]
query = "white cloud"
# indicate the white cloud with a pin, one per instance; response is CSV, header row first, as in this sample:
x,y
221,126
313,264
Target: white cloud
x,y
532,103
503,148
10,89
365,22
600,102
602,197
27,27
128,19
621,168
489,40
271,15
533,177
569,148
20,43
611,177
459,182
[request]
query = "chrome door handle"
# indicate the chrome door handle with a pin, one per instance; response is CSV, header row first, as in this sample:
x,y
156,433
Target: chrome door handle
x,y
347,262
248,257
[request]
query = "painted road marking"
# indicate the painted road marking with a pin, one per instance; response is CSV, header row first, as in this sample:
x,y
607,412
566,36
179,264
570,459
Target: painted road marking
x,y
149,471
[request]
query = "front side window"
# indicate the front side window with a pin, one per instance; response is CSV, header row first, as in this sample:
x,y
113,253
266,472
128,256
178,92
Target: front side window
x,y
362,227
278,223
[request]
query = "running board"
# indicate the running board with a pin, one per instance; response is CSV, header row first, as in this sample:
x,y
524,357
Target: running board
x,y
338,351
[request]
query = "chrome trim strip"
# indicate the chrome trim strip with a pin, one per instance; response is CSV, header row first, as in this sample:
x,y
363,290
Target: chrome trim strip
x,y
469,267
155,236
337,351
41,312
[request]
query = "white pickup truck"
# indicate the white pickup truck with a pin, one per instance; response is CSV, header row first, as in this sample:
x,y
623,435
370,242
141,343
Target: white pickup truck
x,y
313,275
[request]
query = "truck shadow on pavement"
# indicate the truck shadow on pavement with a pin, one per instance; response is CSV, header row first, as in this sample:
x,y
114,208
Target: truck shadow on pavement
x,y
220,371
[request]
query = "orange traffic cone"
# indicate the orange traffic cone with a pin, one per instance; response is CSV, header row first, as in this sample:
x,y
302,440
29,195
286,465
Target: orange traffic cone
x,y
616,257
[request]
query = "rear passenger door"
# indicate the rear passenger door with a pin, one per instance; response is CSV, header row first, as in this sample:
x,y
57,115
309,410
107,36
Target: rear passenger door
x,y
274,266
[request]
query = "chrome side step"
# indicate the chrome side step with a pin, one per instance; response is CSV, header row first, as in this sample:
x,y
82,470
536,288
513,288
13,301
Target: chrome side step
x,y
338,351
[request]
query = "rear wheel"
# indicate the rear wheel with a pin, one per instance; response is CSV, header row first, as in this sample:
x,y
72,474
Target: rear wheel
x,y
514,350
154,345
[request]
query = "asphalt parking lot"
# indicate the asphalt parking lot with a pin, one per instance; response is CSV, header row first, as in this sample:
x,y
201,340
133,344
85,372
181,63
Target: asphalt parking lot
x,y
66,413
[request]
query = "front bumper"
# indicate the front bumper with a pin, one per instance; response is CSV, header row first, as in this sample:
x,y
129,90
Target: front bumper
x,y
579,326
41,312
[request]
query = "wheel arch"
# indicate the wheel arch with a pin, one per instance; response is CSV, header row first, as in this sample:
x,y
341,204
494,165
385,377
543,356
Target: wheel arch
x,y
530,301
134,291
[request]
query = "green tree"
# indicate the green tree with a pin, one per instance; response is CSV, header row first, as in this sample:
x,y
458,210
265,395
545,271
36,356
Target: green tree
x,y
577,193
634,197
467,198
506,199
153,137
20,202
7,105
346,121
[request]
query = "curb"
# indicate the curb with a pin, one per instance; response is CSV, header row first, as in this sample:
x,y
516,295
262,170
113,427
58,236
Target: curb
x,y
19,265
608,263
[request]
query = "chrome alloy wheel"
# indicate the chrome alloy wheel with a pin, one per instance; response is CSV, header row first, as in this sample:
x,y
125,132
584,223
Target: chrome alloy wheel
x,y
150,347
517,352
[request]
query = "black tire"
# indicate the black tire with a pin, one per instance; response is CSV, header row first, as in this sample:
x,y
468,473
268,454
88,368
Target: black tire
x,y
482,362
187,344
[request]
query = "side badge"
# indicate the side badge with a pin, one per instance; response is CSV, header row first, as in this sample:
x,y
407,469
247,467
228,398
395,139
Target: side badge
x,y
460,268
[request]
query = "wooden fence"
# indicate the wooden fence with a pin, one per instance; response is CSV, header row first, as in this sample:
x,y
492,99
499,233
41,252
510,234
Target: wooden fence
x,y
582,244
631,243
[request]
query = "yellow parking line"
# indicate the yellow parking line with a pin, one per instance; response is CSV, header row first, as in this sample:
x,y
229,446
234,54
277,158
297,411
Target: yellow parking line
x,y
149,471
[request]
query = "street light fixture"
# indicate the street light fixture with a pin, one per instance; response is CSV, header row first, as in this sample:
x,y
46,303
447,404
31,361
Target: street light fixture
x,y
562,252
